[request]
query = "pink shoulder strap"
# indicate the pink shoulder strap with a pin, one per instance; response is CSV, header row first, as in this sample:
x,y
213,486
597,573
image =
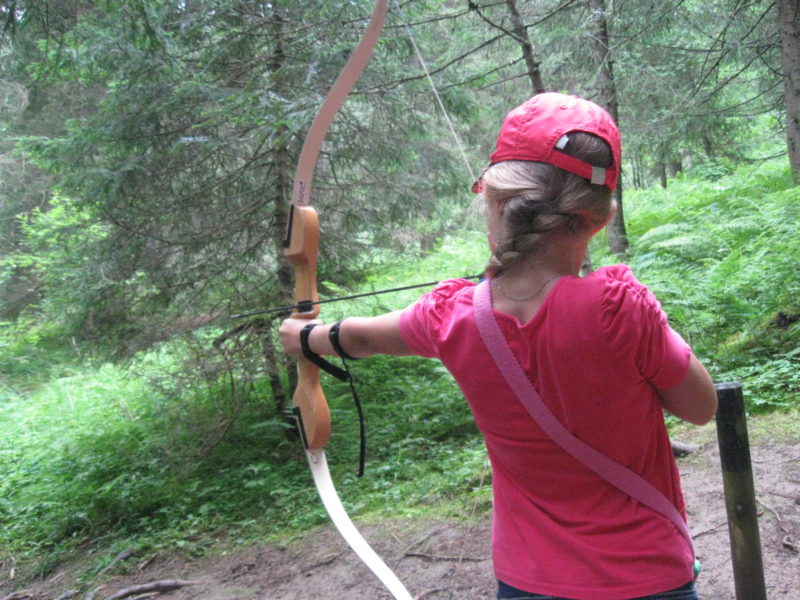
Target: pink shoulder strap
x,y
617,475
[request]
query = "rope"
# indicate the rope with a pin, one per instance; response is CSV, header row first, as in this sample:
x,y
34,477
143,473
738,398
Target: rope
x,y
445,114
472,177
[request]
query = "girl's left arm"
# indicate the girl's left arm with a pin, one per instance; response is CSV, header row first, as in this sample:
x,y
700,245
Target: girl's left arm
x,y
358,336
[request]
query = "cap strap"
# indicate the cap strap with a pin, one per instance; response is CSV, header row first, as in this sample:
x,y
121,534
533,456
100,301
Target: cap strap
x,y
597,175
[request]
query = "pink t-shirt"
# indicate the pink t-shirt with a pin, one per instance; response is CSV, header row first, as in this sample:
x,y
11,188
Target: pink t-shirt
x,y
594,351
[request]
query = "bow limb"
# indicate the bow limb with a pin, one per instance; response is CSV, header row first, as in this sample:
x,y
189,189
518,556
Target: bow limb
x,y
322,479
310,406
301,192
301,248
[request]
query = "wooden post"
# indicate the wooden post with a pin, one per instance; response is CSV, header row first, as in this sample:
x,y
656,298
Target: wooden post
x,y
740,497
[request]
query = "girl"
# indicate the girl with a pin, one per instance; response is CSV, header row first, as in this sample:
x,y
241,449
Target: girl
x,y
598,350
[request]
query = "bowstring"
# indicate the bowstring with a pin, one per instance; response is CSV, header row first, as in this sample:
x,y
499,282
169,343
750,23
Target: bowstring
x,y
457,139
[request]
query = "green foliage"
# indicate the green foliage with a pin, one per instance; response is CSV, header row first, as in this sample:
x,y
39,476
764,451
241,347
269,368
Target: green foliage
x,y
32,352
96,454
176,147
56,252
721,255
134,453
166,133
111,453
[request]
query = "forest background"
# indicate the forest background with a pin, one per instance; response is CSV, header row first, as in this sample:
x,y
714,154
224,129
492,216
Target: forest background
x,y
146,160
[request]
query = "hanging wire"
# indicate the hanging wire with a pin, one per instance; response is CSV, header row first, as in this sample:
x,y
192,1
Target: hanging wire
x,y
445,114
449,122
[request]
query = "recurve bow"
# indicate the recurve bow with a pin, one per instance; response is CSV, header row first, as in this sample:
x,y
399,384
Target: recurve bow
x,y
301,249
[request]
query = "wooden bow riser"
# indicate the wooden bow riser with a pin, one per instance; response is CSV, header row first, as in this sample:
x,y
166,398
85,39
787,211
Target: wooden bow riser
x,y
301,248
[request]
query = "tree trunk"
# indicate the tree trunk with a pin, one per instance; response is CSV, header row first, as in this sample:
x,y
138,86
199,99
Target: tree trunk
x,y
537,83
789,29
521,34
607,91
615,230
639,178
586,264
280,192
281,187
708,146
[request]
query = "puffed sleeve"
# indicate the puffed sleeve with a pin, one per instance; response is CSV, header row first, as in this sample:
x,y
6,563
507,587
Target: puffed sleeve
x,y
424,323
638,332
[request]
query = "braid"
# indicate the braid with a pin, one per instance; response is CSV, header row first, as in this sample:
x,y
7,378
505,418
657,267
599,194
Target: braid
x,y
538,198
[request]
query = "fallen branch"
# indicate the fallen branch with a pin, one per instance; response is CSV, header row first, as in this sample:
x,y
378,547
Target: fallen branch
x,y
124,555
431,557
431,591
166,585
324,561
145,563
93,593
712,530
772,461
12,571
20,595
681,449
793,497
407,551
778,516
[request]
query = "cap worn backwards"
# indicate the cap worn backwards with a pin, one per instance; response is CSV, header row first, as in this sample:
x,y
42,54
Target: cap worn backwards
x,y
537,131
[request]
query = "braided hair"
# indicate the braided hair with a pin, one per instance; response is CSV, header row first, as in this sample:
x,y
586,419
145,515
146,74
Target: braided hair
x,y
538,198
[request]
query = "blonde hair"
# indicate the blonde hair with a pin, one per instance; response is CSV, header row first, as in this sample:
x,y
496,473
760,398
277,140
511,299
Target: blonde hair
x,y
537,198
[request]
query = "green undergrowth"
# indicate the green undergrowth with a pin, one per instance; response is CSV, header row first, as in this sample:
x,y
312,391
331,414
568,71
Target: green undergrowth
x,y
722,258
97,457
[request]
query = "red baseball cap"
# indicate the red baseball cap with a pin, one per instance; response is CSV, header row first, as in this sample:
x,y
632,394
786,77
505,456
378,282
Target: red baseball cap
x,y
538,130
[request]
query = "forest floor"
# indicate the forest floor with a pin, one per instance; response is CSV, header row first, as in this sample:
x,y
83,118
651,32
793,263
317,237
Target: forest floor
x,y
449,560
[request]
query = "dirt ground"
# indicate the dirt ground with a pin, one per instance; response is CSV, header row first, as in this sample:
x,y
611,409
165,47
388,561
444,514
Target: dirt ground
x,y
448,560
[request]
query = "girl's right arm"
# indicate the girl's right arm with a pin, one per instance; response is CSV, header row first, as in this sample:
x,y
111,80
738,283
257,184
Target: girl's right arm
x,y
694,399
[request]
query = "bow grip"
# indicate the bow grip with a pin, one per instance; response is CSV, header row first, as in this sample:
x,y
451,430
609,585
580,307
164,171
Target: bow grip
x,y
301,247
